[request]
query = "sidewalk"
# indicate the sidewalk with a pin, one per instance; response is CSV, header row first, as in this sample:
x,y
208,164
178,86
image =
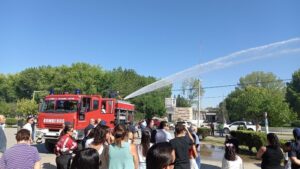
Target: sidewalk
x,y
210,164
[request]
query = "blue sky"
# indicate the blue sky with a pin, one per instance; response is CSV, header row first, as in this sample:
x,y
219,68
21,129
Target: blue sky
x,y
156,38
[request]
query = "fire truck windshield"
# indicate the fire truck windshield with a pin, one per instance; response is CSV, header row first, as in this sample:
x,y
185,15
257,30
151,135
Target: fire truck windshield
x,y
59,106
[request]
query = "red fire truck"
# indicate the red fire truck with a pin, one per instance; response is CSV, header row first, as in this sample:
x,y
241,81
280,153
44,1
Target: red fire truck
x,y
56,109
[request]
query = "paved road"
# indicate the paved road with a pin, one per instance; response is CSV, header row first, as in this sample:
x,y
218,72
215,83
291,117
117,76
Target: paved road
x,y
48,160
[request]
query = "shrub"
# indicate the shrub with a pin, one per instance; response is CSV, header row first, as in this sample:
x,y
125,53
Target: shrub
x,y
11,121
250,138
203,131
295,123
241,127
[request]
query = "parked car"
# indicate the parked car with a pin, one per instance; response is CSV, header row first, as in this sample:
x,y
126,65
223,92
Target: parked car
x,y
234,126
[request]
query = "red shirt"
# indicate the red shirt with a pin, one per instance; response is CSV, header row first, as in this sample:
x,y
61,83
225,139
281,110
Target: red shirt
x,y
65,144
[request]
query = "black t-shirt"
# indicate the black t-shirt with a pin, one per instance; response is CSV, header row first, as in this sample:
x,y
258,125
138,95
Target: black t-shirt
x,y
86,130
272,158
182,146
295,152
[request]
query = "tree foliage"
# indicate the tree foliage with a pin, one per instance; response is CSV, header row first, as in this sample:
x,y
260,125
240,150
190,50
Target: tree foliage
x,y
293,93
251,100
190,90
90,79
182,102
262,79
26,107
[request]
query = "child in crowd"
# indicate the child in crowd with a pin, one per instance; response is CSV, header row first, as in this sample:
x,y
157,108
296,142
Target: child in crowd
x,y
231,160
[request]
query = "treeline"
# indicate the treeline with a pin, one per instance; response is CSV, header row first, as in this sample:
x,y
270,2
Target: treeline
x,y
17,90
261,92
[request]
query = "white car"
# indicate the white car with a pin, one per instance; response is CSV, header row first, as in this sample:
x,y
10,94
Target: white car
x,y
234,126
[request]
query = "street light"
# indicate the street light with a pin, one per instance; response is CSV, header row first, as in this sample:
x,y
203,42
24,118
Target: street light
x,y
199,97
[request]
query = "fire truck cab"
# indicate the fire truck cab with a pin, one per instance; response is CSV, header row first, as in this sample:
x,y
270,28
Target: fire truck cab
x,y
78,109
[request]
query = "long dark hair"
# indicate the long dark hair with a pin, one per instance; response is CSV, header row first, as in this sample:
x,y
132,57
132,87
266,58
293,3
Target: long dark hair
x,y
119,133
273,140
145,142
99,135
230,154
86,159
66,129
159,156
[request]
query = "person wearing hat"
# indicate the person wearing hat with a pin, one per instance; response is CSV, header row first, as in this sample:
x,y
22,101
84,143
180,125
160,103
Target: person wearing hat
x,y
28,125
294,154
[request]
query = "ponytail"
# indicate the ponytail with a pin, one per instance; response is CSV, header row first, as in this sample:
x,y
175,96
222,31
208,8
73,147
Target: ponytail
x,y
119,133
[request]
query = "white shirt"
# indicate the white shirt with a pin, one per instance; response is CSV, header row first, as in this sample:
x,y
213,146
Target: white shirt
x,y
142,159
288,164
2,126
88,145
28,127
89,142
237,164
162,136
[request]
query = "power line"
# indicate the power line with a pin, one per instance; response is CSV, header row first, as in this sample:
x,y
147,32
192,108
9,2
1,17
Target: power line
x,y
235,85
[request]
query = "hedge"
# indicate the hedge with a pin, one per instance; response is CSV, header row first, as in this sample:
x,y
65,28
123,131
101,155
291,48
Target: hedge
x,y
250,138
295,123
11,121
203,131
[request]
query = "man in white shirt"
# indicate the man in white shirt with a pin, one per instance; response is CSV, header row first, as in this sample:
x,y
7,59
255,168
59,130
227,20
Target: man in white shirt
x,y
29,122
162,134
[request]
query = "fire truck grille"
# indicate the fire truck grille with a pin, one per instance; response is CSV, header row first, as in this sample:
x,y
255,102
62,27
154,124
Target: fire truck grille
x,y
53,126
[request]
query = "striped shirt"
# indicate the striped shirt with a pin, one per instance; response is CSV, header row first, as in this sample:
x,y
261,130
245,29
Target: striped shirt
x,y
20,156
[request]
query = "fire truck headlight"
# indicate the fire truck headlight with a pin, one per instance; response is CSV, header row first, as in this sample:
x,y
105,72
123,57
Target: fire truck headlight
x,y
41,132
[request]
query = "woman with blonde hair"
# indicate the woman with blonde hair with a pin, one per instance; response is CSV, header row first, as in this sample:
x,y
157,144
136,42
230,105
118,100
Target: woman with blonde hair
x,y
122,155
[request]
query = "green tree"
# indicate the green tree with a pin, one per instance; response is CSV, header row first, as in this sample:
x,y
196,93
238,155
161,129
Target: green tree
x,y
190,90
251,102
182,102
26,82
7,91
293,93
262,79
26,107
90,79
7,109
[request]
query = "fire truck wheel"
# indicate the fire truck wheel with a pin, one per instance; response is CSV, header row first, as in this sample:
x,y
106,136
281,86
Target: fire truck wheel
x,y
50,145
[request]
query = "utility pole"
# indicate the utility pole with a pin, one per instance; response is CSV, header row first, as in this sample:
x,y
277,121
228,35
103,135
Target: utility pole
x,y
266,122
199,107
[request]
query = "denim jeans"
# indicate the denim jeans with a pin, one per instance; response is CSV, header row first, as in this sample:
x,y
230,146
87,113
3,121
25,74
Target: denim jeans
x,y
198,161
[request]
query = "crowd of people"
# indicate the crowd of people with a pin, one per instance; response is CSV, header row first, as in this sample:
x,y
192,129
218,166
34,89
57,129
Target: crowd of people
x,y
105,148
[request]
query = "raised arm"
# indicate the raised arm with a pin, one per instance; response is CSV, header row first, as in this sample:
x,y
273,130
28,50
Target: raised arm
x,y
260,152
